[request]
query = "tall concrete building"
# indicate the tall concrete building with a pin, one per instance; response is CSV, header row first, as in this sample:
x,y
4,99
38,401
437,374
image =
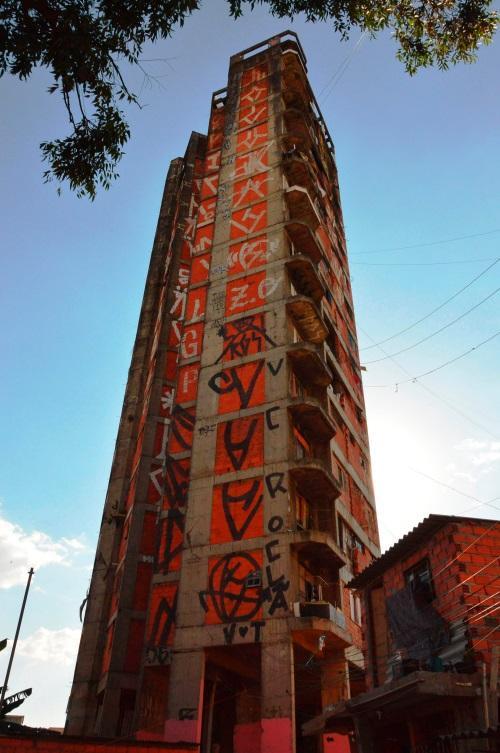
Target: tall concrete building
x,y
240,500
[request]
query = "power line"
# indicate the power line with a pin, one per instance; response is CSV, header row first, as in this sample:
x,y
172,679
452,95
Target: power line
x,y
438,308
434,394
474,541
339,72
430,243
457,491
437,331
441,366
416,263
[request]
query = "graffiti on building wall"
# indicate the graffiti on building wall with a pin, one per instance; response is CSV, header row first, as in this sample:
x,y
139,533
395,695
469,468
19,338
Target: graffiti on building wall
x,y
237,510
240,583
239,386
244,337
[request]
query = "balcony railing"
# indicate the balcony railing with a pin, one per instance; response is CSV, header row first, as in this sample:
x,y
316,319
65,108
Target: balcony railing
x,y
314,478
320,609
306,318
301,206
310,415
308,362
304,276
304,240
319,549
298,171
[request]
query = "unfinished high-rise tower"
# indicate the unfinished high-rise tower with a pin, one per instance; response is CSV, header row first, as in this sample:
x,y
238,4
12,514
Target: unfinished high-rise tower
x,y
240,500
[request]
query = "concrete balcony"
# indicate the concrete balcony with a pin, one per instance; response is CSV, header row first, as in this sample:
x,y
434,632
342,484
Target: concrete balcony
x,y
303,239
304,276
297,125
319,549
314,478
309,414
301,206
309,364
294,86
319,618
321,609
298,171
306,318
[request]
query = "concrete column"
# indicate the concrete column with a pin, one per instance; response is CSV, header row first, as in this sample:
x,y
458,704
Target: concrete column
x,y
278,697
185,703
334,679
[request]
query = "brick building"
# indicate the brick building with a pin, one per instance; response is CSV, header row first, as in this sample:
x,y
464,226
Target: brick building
x,y
240,501
431,626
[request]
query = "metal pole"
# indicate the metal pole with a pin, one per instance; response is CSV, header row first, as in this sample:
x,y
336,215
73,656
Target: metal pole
x,y
13,650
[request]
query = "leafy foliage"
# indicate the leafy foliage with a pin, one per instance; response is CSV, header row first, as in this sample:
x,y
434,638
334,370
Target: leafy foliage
x,y
84,42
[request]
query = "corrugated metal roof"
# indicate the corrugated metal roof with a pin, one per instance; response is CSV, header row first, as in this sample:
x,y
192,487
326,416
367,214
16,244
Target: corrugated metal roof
x,y
407,544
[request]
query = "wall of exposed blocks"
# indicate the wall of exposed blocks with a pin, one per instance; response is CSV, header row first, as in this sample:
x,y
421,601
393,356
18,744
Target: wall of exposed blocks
x,y
465,568
209,506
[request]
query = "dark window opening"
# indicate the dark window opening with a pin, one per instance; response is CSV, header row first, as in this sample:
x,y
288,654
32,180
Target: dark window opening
x,y
419,579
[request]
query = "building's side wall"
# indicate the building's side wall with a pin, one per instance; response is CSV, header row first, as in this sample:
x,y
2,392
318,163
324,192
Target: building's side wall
x,y
465,569
94,645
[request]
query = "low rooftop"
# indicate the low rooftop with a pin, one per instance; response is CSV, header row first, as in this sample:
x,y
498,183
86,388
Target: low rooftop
x,y
408,543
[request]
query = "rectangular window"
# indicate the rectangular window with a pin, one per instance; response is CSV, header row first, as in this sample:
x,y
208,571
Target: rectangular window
x,y
419,579
355,605
254,579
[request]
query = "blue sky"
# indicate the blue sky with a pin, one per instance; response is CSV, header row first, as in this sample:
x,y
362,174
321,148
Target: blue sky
x,y
418,163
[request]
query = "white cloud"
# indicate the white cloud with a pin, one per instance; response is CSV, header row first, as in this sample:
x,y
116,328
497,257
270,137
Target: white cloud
x,y
21,549
482,455
54,646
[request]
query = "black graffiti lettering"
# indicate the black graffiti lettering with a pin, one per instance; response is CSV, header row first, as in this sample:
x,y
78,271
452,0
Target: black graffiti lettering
x,y
170,529
163,622
187,713
269,419
279,601
241,334
229,631
229,380
175,481
238,450
228,593
275,369
249,501
257,626
275,592
182,426
274,483
275,524
272,556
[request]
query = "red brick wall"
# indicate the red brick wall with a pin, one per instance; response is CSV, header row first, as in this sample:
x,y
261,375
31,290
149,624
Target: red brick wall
x,y
465,565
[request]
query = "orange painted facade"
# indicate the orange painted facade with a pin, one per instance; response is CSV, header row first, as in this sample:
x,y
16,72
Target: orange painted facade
x,y
240,499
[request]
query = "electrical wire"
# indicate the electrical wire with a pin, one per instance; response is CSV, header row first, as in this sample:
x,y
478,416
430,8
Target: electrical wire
x,y
483,637
486,611
436,332
417,263
339,72
474,541
396,385
428,244
457,491
434,311
434,394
